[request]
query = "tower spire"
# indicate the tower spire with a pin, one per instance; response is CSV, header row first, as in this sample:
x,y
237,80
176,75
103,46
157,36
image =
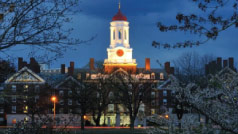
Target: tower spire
x,y
119,5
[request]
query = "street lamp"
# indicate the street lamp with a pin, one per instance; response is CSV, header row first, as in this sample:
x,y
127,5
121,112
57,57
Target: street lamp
x,y
54,99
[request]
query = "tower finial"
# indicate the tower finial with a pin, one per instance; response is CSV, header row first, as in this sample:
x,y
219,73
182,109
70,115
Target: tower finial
x,y
119,5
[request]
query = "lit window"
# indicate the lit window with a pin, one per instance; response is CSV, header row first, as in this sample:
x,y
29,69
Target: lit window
x,y
14,88
14,109
152,75
152,111
79,76
110,107
14,98
161,76
114,34
70,102
125,35
164,93
164,101
26,88
25,109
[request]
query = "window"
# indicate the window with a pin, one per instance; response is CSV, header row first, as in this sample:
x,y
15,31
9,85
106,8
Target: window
x,y
164,101
153,103
120,33
25,109
79,76
36,98
69,93
37,89
164,93
1,110
14,98
70,110
26,88
61,93
14,109
1,100
152,111
61,102
61,110
25,98
152,75
161,76
69,102
78,103
110,107
152,94
114,35
173,93
14,88
78,110
125,35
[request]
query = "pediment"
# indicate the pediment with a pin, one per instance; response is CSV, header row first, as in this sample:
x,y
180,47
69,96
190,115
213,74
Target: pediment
x,y
69,81
25,75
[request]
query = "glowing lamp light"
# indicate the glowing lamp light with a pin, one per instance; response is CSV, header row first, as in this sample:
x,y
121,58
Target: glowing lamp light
x,y
53,98
166,116
85,117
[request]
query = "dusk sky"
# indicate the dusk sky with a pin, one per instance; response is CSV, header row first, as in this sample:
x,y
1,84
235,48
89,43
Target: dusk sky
x,y
96,15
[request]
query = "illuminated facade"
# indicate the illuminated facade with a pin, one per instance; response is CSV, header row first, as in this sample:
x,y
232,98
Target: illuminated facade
x,y
119,52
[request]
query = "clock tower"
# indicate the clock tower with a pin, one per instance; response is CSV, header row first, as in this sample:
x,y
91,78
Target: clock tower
x,y
119,53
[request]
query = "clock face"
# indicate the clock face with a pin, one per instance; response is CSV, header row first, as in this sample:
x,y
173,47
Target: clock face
x,y
120,52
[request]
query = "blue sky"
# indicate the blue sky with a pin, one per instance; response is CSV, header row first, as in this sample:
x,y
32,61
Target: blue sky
x,y
94,19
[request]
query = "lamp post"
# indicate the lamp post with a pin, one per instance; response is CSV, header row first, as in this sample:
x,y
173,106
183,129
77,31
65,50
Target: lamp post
x,y
54,99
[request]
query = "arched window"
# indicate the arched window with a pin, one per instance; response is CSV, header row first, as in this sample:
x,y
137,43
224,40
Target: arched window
x,y
114,34
125,35
120,34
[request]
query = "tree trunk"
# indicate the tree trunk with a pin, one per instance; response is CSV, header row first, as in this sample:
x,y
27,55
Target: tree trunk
x,y
82,122
97,121
132,121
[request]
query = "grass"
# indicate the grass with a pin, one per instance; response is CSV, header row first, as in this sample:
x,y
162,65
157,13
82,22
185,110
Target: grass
x,y
101,131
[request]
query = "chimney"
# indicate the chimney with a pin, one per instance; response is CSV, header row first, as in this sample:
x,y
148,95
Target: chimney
x,y
71,68
224,63
219,63
20,63
231,63
91,64
147,64
167,67
62,69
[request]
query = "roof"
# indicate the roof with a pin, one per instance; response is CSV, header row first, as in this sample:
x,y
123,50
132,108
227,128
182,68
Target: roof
x,y
25,75
119,16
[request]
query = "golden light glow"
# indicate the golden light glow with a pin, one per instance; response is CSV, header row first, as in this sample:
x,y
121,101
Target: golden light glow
x,y
53,98
167,116
85,117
